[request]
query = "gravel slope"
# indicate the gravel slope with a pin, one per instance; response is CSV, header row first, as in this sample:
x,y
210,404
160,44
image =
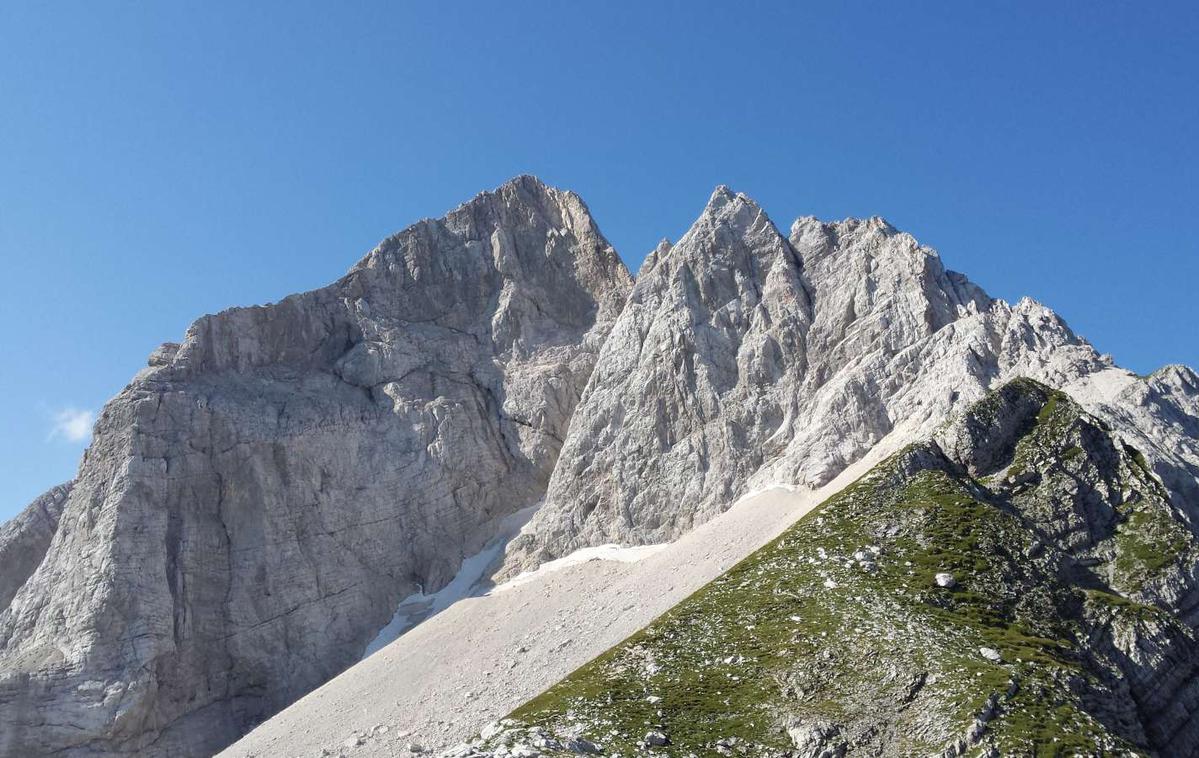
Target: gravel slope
x,y
442,681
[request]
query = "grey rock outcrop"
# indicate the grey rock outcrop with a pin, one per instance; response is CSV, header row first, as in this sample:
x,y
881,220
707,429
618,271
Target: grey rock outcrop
x,y
1159,415
258,499
25,539
744,358
689,384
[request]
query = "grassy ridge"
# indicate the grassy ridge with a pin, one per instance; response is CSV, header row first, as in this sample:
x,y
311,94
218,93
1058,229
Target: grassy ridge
x,y
838,633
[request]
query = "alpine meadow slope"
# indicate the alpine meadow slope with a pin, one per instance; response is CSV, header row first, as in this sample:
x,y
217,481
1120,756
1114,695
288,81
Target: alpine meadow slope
x,y
1015,586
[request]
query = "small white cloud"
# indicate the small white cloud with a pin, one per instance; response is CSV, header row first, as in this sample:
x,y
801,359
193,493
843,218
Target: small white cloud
x,y
73,425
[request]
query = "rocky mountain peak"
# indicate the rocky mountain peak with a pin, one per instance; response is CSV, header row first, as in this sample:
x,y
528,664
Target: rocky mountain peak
x,y
508,268
525,192
523,206
732,251
660,251
256,502
870,226
526,200
878,256
698,362
1177,376
743,358
730,216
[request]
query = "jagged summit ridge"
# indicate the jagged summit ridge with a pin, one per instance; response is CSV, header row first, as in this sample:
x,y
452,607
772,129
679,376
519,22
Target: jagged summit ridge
x,y
690,371
825,343
907,345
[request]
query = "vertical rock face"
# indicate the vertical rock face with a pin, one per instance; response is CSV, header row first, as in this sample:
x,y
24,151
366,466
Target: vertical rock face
x,y
25,539
692,380
258,499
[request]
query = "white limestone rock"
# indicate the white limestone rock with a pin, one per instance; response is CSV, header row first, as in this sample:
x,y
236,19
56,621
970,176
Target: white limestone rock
x,y
690,382
259,498
25,539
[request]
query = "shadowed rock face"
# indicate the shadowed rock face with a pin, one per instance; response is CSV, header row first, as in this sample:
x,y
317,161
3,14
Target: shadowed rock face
x,y
258,499
1160,415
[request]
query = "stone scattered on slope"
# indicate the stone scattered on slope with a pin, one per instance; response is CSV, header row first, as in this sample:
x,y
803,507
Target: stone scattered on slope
x,y
1082,650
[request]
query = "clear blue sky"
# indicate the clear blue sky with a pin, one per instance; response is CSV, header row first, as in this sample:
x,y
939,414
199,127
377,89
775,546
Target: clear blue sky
x,y
163,160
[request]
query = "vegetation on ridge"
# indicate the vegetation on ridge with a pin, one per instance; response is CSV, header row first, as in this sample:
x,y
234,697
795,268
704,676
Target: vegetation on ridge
x,y
840,636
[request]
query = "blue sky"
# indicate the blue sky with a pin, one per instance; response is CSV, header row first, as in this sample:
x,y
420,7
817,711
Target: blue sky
x,y
163,160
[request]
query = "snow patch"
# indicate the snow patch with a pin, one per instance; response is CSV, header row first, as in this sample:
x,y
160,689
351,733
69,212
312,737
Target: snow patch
x,y
1101,386
612,552
466,583
754,493
620,553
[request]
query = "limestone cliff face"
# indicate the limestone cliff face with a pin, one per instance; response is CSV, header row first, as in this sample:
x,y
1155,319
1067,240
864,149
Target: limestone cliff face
x,y
1159,414
25,539
744,358
693,378
258,499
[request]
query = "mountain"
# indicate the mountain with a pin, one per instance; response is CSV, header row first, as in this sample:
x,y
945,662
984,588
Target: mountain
x,y
257,500
1014,586
263,497
744,358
